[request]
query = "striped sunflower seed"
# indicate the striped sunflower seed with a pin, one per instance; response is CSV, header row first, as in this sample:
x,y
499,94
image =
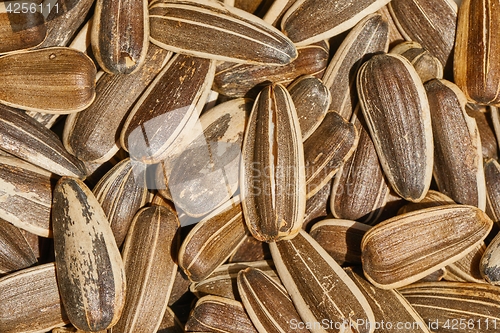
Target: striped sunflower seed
x,y
250,249
432,199
490,262
396,111
15,251
90,271
51,80
272,175
316,206
210,29
484,122
393,257
427,66
467,269
492,177
117,48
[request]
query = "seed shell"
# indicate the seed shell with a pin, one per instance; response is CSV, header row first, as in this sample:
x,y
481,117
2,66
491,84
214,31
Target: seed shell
x,y
427,66
15,251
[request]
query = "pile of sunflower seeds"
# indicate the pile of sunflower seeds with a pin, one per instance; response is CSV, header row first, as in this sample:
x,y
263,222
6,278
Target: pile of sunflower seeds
x,y
249,166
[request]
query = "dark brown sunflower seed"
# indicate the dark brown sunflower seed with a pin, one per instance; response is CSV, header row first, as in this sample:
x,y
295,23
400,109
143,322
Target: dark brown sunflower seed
x,y
90,271
170,104
485,126
492,176
51,80
150,269
249,250
15,251
396,111
427,66
368,37
30,301
458,160
213,30
317,206
272,175
404,249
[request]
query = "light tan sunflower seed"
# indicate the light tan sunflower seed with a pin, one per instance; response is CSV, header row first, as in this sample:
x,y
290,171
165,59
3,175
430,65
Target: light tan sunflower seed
x,y
333,142
52,80
340,238
309,21
490,262
467,269
91,135
431,23
24,137
30,301
318,286
46,119
368,37
117,48
20,30
396,111
388,306
484,122
218,314
439,303
150,269
272,175
405,248
90,271
212,240
478,38
311,99
214,30
427,66
26,192
458,161
222,282
267,303
122,191
170,104
246,80
360,190
15,251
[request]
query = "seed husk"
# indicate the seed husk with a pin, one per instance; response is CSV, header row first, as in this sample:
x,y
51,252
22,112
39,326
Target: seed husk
x,y
360,190
368,37
395,36
309,21
245,80
431,23
267,302
272,175
212,240
26,192
333,142
435,276
15,251
52,80
432,199
476,65
443,302
170,323
91,135
485,127
458,161
30,301
218,314
24,137
46,119
340,238
396,111
317,206
311,99
467,269
250,249
427,66
388,305
210,29
490,262
90,271
122,191
393,256
117,48
492,176
20,31
150,269
170,104
318,286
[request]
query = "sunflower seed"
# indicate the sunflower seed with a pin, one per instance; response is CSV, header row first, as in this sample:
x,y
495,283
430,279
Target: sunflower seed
x,y
272,175
267,303
316,206
309,21
250,249
427,66
318,286
170,323
30,301
150,269
490,262
393,257
15,252
170,104
395,36
368,37
51,80
484,122
432,199
90,272
210,29
396,110
458,161
467,269
492,176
